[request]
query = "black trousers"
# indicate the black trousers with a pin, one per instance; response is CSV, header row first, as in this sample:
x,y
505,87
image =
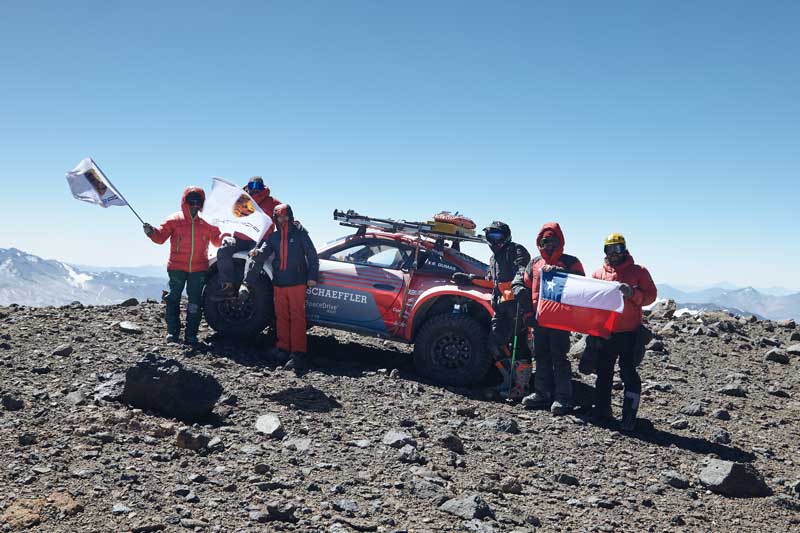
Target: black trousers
x,y
502,329
553,378
622,346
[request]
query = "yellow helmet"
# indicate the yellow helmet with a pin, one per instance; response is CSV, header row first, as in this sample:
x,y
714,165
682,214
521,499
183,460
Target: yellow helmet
x,y
614,238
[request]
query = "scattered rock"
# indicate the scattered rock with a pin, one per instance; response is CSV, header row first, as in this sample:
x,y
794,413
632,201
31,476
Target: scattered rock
x,y
76,398
567,479
665,309
693,408
409,454
674,479
794,349
270,425
511,485
129,327
467,507
23,514
298,444
452,442
500,423
112,389
63,350
11,402
734,479
776,355
733,389
65,503
788,323
167,387
120,509
721,437
130,302
721,414
398,439
189,439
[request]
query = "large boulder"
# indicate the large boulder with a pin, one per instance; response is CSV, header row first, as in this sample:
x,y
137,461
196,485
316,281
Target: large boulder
x,y
167,387
734,479
467,507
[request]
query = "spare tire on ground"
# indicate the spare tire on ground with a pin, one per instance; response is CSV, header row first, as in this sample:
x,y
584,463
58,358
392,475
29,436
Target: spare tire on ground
x,y
166,387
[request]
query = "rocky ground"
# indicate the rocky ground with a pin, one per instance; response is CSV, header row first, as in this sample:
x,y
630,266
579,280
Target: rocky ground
x,y
362,444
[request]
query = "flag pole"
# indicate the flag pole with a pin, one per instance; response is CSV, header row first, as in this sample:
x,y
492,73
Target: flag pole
x,y
117,191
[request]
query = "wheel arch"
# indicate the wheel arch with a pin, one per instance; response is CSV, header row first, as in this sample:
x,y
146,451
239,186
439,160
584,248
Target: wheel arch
x,y
441,300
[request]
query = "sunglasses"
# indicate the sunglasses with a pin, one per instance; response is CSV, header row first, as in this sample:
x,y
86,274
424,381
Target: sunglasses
x,y
255,186
549,240
614,249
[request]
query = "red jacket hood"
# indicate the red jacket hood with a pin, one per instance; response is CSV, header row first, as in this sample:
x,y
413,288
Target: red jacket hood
x,y
555,228
184,205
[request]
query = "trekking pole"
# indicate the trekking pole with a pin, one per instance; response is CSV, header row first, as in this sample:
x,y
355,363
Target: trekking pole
x,y
516,335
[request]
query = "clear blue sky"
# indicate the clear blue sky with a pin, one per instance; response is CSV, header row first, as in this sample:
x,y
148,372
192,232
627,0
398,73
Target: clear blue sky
x,y
675,123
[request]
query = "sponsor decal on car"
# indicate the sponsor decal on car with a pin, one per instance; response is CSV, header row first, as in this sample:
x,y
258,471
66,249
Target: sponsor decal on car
x,y
323,292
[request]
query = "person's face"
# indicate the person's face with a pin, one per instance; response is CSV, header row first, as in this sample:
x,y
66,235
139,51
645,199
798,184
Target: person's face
x,y
550,244
194,209
615,253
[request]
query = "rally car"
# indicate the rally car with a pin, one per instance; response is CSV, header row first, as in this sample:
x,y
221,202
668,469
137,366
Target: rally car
x,y
389,279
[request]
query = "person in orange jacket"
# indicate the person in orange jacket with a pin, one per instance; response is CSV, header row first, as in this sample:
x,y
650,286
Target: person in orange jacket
x,y
552,383
638,289
239,242
189,237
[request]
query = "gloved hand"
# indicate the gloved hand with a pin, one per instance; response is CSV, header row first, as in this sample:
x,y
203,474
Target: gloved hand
x,y
548,268
626,290
148,229
462,278
228,241
255,252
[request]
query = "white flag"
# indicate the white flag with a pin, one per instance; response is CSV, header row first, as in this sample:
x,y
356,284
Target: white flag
x,y
89,184
231,209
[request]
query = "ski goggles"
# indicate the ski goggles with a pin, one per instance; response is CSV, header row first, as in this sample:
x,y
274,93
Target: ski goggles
x,y
614,249
495,235
255,185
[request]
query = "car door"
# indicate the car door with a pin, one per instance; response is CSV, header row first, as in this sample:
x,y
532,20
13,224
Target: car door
x,y
360,286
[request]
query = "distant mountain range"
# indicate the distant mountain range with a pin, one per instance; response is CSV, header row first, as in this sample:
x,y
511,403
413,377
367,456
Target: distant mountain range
x,y
26,279
774,303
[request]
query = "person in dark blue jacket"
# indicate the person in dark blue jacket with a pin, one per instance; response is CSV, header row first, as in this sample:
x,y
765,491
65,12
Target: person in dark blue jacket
x,y
295,267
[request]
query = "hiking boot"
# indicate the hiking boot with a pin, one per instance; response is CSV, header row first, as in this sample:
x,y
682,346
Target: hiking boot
x,y
280,356
173,338
536,401
298,362
630,406
225,293
560,408
601,416
191,340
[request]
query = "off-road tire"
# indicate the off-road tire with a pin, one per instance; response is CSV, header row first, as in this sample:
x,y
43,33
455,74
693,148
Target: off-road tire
x,y
240,320
451,349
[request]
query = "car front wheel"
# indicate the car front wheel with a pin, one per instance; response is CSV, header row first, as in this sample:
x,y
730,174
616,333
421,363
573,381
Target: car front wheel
x,y
451,349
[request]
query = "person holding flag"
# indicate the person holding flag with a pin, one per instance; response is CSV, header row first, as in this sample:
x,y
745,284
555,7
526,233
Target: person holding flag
x,y
638,289
295,267
189,237
240,242
552,383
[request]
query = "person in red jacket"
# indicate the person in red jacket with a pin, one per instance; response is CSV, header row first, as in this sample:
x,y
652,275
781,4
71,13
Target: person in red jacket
x,y
239,242
552,383
189,237
638,289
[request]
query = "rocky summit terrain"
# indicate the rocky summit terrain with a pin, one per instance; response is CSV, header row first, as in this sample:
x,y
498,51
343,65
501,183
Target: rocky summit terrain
x,y
105,427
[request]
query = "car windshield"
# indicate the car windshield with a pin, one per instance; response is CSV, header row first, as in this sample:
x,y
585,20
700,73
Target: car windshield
x,y
378,254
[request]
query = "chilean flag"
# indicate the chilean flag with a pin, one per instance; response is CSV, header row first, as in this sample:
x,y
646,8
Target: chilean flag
x,y
578,303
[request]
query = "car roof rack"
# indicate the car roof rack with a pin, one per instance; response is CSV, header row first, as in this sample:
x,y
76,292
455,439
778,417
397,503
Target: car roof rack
x,y
354,220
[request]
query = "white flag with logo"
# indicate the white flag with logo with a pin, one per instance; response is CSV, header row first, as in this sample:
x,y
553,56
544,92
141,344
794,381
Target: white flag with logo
x,y
89,184
232,210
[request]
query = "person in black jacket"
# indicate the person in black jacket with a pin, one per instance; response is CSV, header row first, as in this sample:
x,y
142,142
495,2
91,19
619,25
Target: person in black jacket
x,y
508,260
295,267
